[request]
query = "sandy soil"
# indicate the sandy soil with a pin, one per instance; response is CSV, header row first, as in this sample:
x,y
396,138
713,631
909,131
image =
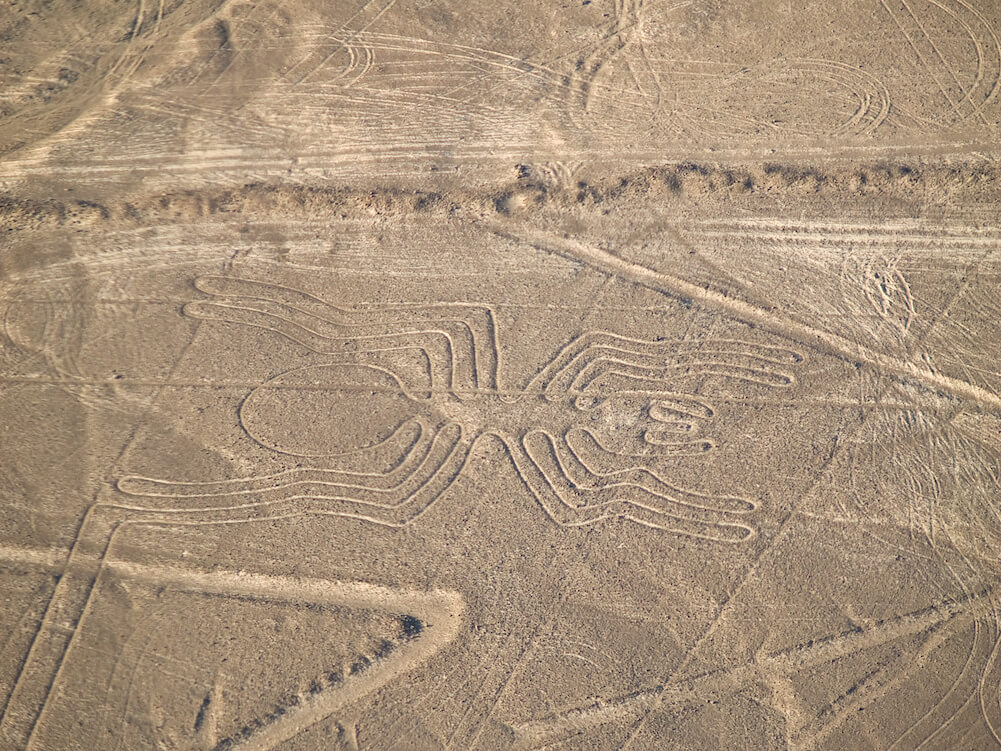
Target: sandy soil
x,y
416,374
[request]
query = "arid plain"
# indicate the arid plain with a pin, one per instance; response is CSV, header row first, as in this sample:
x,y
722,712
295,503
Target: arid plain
x,y
419,374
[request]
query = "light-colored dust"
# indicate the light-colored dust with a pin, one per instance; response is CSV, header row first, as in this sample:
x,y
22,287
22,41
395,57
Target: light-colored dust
x,y
403,375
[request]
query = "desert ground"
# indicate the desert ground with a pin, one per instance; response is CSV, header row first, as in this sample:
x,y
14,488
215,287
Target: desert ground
x,y
409,375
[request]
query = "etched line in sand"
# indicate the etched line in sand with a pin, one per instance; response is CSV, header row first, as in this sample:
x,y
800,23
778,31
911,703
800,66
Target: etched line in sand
x,y
46,559
807,335
622,401
923,57
982,90
763,668
587,358
437,613
581,436
429,621
461,340
572,493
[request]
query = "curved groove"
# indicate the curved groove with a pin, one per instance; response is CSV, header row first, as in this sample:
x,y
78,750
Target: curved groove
x,y
275,302
638,499
368,494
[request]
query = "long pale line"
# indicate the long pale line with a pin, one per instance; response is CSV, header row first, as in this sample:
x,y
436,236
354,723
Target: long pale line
x,y
800,236
834,403
824,341
698,689
47,559
23,167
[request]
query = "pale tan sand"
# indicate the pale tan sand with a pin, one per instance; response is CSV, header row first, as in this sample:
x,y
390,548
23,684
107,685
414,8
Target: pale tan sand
x,y
435,375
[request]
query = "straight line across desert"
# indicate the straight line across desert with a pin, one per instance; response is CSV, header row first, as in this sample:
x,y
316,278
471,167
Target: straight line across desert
x,y
426,375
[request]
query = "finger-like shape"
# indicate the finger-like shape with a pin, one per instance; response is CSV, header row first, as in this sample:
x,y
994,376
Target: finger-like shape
x,y
718,532
585,477
720,356
679,408
472,327
228,286
606,376
326,327
421,499
225,287
663,442
283,482
437,346
357,333
319,334
262,315
667,442
451,345
576,506
315,489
